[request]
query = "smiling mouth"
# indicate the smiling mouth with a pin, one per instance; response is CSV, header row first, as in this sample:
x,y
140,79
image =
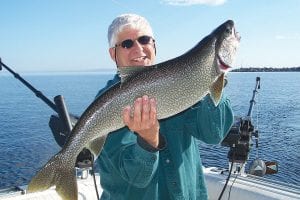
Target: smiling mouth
x,y
139,59
222,64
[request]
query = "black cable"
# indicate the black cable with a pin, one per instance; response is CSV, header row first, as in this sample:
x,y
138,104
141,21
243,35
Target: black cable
x,y
94,178
221,194
231,186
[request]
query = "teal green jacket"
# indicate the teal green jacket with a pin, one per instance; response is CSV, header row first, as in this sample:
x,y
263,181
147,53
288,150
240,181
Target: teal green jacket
x,y
130,169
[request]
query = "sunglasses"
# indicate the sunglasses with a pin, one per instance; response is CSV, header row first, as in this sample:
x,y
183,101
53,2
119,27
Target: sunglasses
x,y
143,40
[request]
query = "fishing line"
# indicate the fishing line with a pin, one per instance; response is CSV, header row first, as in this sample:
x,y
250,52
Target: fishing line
x,y
94,178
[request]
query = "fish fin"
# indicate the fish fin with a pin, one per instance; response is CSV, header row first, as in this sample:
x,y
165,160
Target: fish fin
x,y
126,73
216,89
96,145
66,187
56,172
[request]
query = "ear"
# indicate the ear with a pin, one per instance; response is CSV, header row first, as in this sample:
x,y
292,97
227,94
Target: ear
x,y
112,53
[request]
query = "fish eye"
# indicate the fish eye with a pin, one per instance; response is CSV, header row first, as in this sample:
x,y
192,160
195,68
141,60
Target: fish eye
x,y
228,30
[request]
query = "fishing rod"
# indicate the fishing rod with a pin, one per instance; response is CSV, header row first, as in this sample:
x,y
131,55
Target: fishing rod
x,y
61,125
239,141
38,93
238,138
252,101
59,106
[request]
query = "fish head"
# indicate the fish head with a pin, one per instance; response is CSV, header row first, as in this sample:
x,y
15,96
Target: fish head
x,y
227,42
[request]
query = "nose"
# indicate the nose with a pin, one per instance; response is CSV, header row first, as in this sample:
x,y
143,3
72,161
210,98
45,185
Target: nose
x,y
137,45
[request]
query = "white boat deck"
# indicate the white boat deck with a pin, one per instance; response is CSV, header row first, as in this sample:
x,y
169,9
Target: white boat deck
x,y
86,191
246,188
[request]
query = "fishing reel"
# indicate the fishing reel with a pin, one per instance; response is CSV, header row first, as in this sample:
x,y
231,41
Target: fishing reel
x,y
239,140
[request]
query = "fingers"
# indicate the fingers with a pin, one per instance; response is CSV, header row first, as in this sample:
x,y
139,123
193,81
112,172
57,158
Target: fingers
x,y
145,109
144,114
153,112
137,113
126,115
143,120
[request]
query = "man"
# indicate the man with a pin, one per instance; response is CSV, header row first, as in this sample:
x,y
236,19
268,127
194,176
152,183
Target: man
x,y
151,159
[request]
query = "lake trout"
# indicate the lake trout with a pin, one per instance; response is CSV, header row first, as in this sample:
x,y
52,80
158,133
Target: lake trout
x,y
176,84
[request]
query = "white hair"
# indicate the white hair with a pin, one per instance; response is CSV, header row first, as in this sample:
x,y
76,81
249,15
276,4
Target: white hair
x,y
127,21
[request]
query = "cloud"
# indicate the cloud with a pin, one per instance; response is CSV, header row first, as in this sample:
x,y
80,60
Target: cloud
x,y
193,2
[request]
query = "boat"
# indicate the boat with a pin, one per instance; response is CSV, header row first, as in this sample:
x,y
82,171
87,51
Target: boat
x,y
246,187
222,183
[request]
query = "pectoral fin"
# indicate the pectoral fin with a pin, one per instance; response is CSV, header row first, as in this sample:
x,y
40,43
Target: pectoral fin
x,y
96,145
216,89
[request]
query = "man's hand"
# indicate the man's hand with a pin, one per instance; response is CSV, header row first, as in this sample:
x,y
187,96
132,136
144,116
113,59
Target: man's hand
x,y
144,120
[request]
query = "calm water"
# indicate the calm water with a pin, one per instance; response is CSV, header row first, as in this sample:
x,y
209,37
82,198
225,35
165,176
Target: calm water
x,y
26,142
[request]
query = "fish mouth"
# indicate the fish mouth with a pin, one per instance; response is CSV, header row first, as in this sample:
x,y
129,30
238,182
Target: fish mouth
x,y
222,65
227,49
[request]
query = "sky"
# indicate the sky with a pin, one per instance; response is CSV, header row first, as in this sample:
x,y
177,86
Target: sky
x,y
71,35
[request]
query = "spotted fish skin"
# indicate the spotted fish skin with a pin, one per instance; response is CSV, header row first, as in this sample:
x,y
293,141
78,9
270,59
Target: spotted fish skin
x,y
176,84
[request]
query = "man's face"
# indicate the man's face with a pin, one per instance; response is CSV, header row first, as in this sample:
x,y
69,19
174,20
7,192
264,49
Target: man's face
x,y
138,54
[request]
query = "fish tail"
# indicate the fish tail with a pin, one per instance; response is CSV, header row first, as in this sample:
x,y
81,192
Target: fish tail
x,y
57,172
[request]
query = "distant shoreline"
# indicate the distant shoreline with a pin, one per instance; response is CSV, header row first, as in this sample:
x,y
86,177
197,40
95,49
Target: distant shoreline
x,y
267,69
113,71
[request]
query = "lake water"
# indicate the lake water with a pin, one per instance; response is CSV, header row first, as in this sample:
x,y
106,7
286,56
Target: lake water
x,y
26,141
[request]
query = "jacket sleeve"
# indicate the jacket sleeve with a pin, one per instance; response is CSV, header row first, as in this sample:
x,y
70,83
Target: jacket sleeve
x,y
209,123
129,159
